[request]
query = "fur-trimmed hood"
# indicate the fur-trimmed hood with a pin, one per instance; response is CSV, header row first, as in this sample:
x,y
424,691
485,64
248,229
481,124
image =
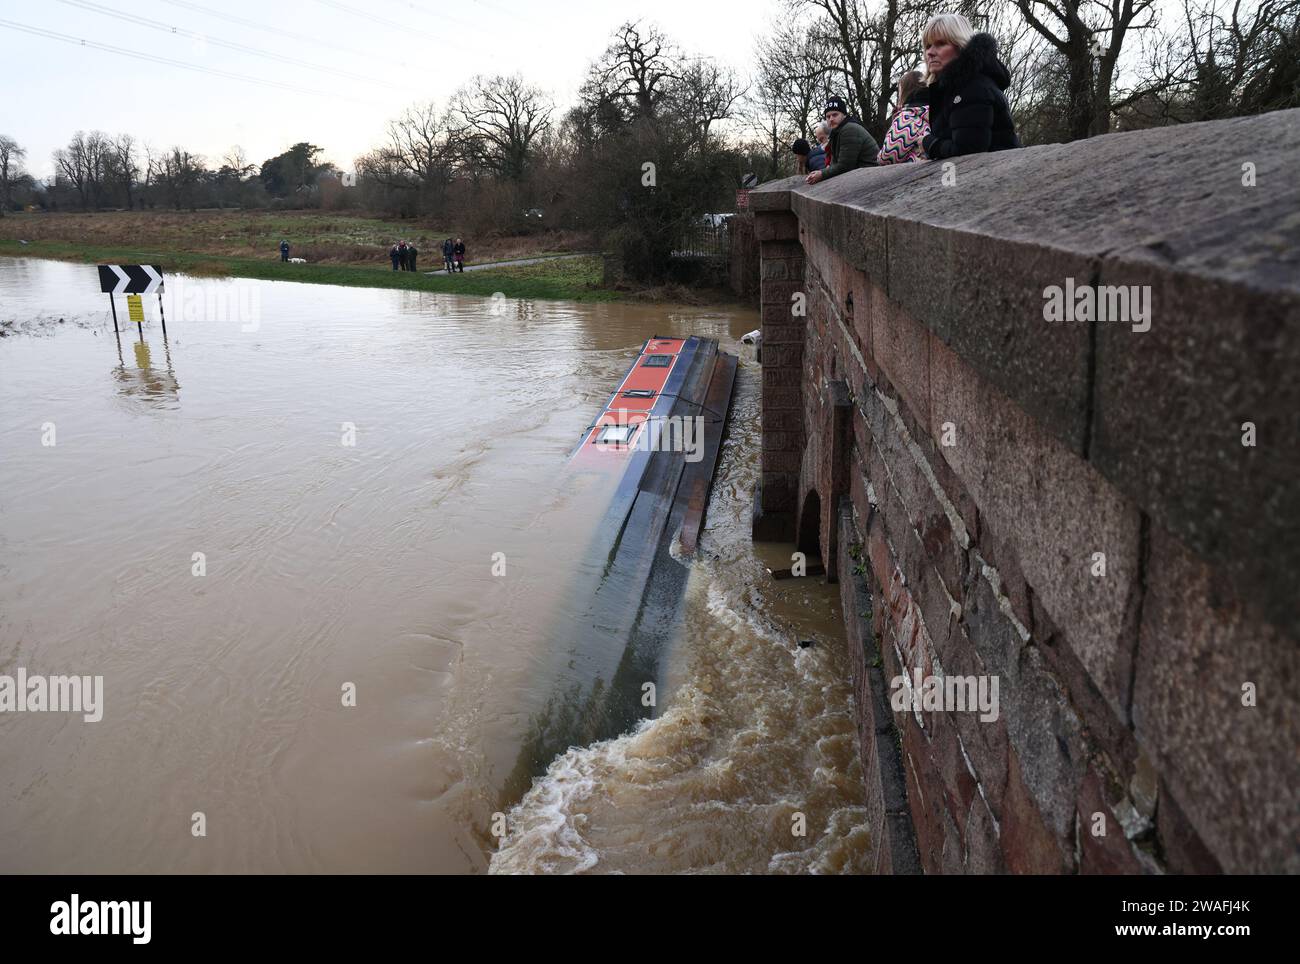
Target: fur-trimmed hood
x,y
979,56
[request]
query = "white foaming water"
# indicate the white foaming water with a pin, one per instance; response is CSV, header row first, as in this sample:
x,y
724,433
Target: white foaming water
x,y
756,731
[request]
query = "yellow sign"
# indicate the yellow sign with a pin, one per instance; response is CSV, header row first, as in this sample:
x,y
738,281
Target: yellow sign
x,y
135,307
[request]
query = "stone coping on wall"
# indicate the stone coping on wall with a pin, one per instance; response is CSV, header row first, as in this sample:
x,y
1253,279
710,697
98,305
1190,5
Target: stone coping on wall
x,y
1198,226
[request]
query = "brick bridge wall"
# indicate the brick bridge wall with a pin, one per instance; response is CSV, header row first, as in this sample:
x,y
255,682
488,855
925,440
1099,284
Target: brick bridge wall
x,y
960,461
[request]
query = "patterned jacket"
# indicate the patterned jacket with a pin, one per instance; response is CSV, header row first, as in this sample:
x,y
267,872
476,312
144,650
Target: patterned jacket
x,y
903,139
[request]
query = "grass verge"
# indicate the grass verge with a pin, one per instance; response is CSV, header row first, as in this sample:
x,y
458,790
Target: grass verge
x,y
570,279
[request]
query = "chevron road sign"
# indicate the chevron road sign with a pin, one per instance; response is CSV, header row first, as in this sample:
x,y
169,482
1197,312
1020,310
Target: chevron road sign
x,y
133,279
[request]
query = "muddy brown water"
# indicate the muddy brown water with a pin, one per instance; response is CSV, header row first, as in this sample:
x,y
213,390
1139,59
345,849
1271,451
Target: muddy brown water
x,y
376,482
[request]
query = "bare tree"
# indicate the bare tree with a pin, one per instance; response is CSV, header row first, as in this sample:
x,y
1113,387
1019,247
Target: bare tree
x,y
422,154
1240,57
122,165
842,26
507,117
894,32
179,173
1021,48
237,160
84,164
1089,35
768,109
704,94
230,178
634,74
11,163
792,75
873,42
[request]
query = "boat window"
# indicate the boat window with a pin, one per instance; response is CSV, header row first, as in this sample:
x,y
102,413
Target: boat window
x,y
657,361
615,434
639,393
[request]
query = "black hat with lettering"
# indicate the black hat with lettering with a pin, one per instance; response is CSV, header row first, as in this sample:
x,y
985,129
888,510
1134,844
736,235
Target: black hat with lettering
x,y
836,103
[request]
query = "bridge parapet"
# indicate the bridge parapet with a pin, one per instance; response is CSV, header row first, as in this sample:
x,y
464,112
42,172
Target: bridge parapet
x,y
1045,403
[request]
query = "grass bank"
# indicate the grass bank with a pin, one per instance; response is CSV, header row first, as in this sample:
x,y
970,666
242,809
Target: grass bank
x,y
570,279
319,236
340,249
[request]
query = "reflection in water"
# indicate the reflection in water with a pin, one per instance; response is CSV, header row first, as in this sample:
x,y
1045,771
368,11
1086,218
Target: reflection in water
x,y
157,387
371,565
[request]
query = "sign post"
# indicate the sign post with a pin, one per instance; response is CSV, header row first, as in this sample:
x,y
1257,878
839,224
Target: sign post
x,y
132,280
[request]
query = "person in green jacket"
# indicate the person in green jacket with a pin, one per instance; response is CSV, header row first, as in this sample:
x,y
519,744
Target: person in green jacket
x,y
850,146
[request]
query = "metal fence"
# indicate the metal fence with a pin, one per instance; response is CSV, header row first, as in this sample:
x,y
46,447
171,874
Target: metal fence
x,y
709,241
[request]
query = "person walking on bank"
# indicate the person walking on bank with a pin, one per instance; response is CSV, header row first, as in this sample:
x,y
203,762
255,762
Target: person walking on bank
x,y
284,250
850,145
411,252
966,81
909,123
448,249
458,252
393,255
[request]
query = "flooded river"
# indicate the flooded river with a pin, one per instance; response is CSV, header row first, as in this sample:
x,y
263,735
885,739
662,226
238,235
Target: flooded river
x,y
303,498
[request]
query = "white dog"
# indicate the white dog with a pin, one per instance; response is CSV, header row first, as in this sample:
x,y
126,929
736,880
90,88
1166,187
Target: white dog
x,y
297,260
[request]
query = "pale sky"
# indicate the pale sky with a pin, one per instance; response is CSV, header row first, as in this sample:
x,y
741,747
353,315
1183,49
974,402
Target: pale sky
x,y
50,87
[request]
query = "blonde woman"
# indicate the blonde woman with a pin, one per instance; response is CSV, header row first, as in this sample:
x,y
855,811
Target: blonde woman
x,y
965,81
909,124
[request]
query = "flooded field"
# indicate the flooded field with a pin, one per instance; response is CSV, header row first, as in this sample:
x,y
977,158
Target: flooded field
x,y
301,493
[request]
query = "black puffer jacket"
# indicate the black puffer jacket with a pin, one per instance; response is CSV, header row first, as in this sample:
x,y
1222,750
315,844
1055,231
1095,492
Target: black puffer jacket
x,y
968,109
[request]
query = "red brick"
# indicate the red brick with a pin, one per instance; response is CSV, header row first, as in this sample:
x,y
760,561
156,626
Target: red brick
x,y
900,345
1221,760
983,847
924,798
774,377
782,420
1052,510
780,295
1108,854
781,250
780,269
781,462
958,784
786,333
1027,845
776,226
1184,850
